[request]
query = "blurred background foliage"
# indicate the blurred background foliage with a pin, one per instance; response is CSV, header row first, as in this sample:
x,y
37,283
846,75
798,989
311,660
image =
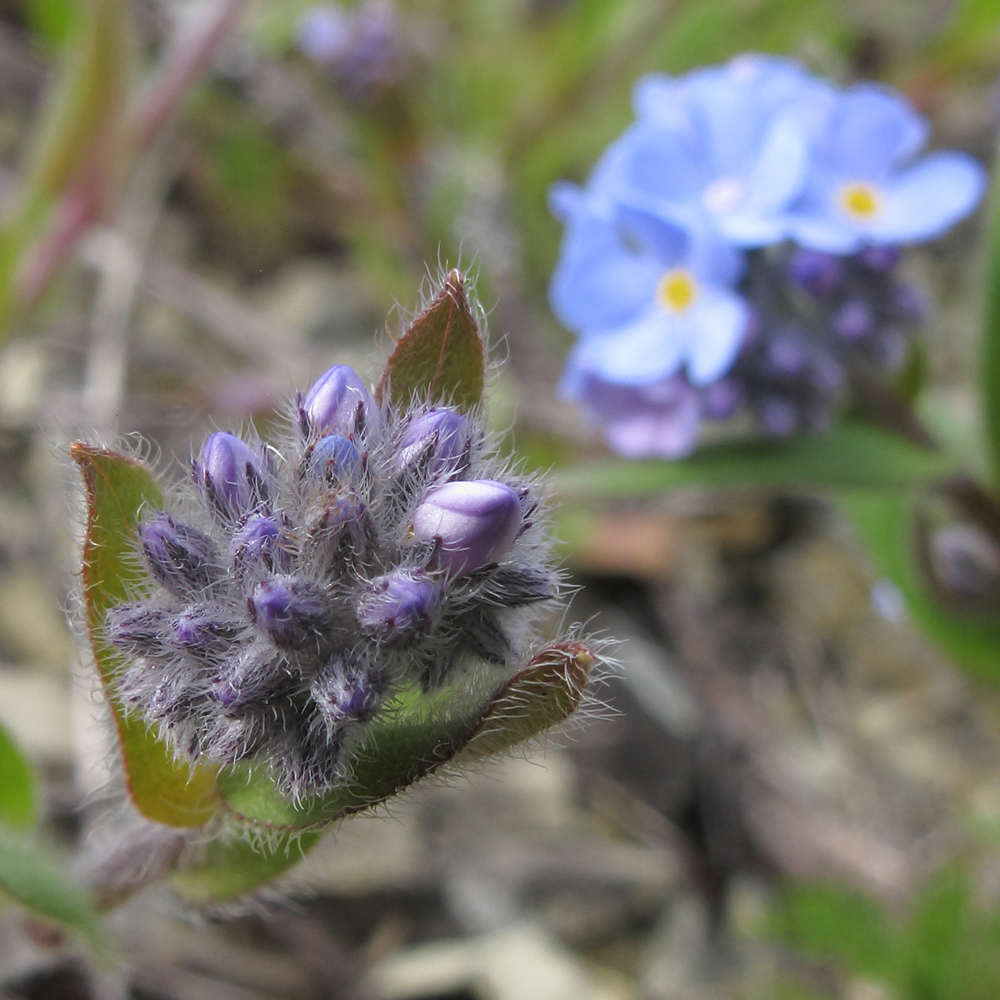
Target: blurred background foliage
x,y
799,793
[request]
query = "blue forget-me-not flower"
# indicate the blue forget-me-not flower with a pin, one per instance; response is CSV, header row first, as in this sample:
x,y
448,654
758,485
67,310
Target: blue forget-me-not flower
x,y
736,249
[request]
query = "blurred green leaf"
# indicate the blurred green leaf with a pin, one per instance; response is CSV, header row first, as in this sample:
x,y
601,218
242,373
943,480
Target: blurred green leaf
x,y
989,364
34,878
440,356
53,21
18,796
413,738
118,488
232,868
850,456
884,522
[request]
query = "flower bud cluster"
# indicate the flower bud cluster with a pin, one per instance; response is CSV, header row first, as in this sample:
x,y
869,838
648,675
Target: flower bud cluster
x,y
373,552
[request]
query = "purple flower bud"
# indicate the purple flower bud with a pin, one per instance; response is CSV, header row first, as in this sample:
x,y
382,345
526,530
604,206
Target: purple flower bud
x,y
346,692
720,400
325,33
335,458
204,631
965,560
476,522
338,403
291,611
253,677
234,739
818,273
437,442
309,760
879,259
399,607
231,475
340,531
854,319
826,374
910,303
180,557
259,546
778,416
137,629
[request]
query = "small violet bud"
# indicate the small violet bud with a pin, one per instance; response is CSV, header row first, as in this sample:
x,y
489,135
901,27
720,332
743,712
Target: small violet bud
x,y
476,522
204,631
335,458
818,273
325,33
720,399
345,693
231,475
854,319
785,357
180,557
778,416
400,606
338,403
251,678
259,546
290,611
436,441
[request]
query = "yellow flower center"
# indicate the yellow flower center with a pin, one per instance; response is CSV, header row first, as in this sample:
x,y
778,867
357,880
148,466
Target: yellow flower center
x,y
860,200
677,290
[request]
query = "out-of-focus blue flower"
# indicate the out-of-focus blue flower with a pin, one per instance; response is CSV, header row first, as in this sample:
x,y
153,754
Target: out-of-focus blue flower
x,y
647,297
730,143
325,33
864,187
660,419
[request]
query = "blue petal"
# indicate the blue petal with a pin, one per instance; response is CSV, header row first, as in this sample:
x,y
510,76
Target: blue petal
x,y
712,260
648,349
779,172
660,238
663,163
597,283
925,200
661,99
566,200
719,325
873,130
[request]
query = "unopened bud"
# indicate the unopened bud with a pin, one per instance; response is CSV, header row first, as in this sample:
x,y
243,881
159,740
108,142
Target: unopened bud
x,y
231,475
335,458
436,442
720,399
854,319
399,607
338,403
818,273
476,523
182,559
259,547
289,610
204,631
252,678
879,259
345,693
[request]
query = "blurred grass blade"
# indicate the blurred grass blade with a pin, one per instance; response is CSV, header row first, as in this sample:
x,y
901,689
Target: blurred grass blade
x,y
410,742
850,456
18,794
440,357
53,21
118,488
990,337
234,868
34,878
885,523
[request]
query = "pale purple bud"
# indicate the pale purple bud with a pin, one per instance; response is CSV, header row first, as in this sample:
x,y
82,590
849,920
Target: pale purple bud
x,y
137,629
338,403
346,693
400,606
437,441
818,273
879,258
252,677
259,546
910,303
854,319
826,374
204,631
231,474
965,560
180,557
476,523
289,610
785,356
778,416
720,399
335,458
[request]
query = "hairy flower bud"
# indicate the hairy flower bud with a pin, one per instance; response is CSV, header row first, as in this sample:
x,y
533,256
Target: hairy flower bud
x,y
476,522
182,559
335,459
231,475
400,606
345,692
204,630
854,319
252,679
290,611
437,443
818,273
338,403
259,547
